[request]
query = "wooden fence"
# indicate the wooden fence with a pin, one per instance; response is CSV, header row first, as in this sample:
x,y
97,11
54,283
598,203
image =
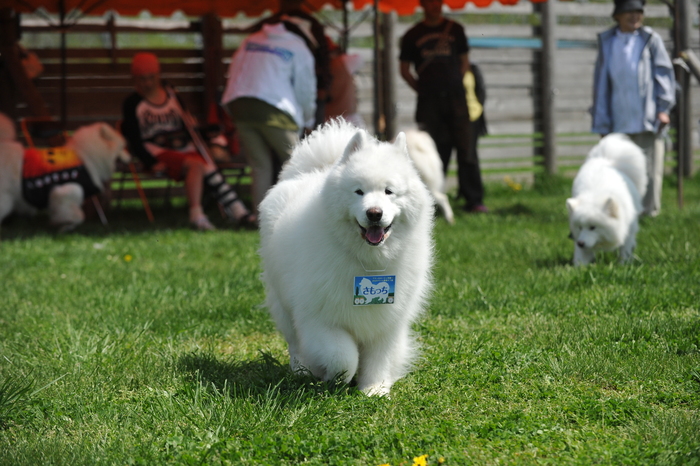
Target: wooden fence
x,y
503,42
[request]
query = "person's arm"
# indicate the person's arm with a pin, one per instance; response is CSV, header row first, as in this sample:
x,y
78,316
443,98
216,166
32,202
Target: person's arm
x,y
664,81
407,75
132,133
464,64
600,111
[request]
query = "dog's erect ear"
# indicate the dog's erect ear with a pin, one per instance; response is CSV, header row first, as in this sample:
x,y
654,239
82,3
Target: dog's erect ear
x,y
611,208
106,132
571,204
355,144
400,142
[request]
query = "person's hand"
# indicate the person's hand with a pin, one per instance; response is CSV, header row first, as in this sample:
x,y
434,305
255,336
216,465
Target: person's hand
x,y
663,118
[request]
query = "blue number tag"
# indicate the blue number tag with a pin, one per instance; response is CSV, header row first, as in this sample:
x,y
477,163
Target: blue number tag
x,y
375,289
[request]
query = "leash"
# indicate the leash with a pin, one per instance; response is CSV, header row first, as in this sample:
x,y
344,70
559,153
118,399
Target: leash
x,y
188,120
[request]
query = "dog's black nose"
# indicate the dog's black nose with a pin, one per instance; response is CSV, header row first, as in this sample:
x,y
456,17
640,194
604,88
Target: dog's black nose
x,y
374,214
580,244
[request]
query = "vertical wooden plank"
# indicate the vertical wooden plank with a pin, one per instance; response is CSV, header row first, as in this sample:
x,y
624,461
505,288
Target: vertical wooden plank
x,y
212,43
684,26
389,62
112,31
63,29
548,92
345,35
379,122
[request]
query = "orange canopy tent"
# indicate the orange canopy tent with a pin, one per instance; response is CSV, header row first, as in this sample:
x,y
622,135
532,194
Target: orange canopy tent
x,y
223,8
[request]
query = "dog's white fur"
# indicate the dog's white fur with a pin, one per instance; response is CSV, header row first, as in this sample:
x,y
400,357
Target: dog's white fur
x,y
606,199
426,158
98,146
316,237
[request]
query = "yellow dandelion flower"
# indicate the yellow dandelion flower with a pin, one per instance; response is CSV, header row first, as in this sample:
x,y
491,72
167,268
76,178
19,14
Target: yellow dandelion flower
x,y
421,460
512,184
441,460
385,464
128,258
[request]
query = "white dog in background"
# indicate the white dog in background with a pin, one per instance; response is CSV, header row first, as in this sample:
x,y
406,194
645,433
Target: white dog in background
x,y
424,154
97,146
606,199
347,252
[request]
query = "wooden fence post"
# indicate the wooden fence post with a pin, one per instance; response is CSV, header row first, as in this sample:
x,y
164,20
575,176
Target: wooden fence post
x,y
389,60
548,29
683,25
379,121
212,51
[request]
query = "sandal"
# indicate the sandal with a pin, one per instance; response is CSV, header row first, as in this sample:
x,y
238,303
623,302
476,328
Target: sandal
x,y
248,222
202,224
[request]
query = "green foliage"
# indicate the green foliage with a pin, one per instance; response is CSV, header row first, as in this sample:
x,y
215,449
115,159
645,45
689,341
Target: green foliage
x,y
13,397
149,345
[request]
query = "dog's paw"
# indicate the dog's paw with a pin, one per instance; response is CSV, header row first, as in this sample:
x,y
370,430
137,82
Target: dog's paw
x,y
379,389
66,227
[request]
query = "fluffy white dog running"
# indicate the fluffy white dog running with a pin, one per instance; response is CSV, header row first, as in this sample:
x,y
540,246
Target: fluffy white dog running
x,y
347,252
424,154
57,178
606,199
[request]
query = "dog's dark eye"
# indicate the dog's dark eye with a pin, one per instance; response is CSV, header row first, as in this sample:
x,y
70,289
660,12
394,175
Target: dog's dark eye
x,y
359,192
388,191
592,227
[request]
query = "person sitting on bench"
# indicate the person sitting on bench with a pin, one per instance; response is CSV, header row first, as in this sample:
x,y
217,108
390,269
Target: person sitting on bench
x,y
157,135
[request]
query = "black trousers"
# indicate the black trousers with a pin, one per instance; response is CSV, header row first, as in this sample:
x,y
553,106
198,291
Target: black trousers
x,y
446,119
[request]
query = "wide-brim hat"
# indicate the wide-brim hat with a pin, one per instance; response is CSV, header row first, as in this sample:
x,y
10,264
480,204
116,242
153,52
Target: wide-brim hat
x,y
623,6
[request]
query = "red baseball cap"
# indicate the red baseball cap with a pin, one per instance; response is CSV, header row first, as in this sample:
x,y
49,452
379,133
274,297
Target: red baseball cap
x,y
144,63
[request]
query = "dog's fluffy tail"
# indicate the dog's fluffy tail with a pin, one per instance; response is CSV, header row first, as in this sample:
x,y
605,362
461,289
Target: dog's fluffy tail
x,y
424,154
321,149
625,156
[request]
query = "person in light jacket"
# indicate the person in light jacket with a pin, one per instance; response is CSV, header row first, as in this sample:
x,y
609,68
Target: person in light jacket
x,y
271,96
634,90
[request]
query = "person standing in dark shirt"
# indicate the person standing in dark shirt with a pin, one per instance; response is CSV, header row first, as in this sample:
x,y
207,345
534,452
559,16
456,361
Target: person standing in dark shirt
x,y
439,52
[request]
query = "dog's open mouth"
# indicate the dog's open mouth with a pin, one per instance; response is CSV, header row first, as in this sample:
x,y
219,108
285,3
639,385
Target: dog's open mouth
x,y
374,234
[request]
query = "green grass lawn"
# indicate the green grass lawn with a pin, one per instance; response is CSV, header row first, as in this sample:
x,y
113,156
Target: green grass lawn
x,y
139,344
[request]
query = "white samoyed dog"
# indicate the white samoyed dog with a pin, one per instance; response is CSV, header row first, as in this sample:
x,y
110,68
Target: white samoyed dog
x,y
347,252
606,199
424,154
97,147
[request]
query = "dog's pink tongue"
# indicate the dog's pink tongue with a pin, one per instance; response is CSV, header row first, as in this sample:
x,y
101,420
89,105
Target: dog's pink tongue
x,y
374,234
